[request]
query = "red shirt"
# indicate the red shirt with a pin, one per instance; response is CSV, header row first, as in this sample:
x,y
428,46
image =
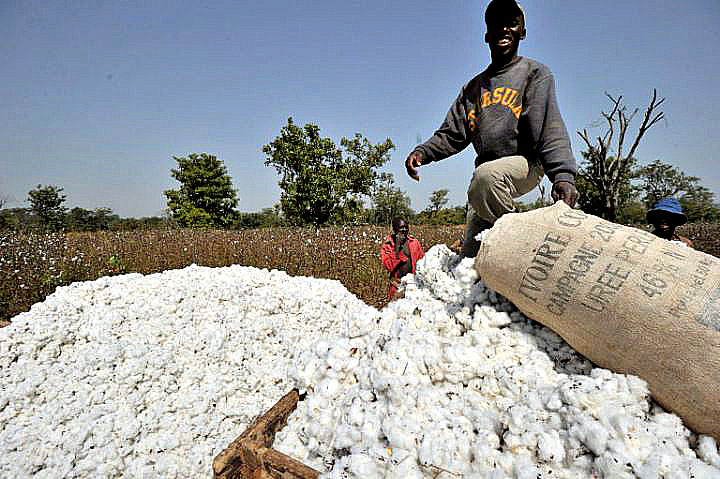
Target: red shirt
x,y
394,262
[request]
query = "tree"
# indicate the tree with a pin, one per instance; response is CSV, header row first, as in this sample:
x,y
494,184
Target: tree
x,y
319,183
46,203
389,201
660,180
266,217
604,177
438,199
206,197
15,219
454,215
80,219
699,204
592,200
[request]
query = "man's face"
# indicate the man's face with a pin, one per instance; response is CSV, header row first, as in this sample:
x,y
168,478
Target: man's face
x,y
505,29
664,225
401,231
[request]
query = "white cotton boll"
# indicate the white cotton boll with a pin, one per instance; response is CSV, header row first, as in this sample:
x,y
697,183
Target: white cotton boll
x,y
339,470
407,468
708,450
359,325
552,401
611,467
363,466
498,319
328,387
621,424
640,440
343,437
527,472
670,425
594,436
398,436
485,453
550,447
700,470
371,428
486,474
652,468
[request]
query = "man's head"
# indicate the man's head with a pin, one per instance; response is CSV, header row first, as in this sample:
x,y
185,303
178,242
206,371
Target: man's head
x,y
665,216
400,227
505,22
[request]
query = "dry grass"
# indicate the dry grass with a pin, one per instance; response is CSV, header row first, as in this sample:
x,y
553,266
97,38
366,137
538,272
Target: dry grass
x,y
32,266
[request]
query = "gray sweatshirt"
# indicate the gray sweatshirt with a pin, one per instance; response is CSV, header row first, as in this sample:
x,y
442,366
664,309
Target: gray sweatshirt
x,y
511,111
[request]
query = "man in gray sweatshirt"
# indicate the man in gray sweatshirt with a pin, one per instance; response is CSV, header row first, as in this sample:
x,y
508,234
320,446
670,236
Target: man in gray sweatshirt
x,y
510,115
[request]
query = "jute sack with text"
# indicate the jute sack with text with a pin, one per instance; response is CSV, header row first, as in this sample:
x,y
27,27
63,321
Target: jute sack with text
x,y
624,298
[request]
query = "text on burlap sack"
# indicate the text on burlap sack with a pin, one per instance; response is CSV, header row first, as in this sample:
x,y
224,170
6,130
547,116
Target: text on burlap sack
x,y
592,275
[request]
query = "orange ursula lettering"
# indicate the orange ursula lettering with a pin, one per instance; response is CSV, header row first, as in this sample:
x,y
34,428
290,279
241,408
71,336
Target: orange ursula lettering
x,y
505,96
471,115
485,99
497,95
509,96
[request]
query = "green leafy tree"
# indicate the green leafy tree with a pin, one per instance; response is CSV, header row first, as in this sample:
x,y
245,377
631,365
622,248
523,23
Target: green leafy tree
x,y
698,203
144,223
632,213
15,219
104,219
206,197
266,217
79,219
438,200
320,182
46,203
389,201
603,178
660,180
446,216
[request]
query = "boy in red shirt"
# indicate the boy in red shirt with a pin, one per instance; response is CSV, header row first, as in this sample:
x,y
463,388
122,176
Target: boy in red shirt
x,y
400,253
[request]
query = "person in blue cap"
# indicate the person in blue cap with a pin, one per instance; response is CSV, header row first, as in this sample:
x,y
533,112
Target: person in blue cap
x,y
665,216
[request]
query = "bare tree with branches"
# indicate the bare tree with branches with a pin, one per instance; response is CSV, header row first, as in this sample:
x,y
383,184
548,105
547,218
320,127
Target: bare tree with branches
x,y
608,166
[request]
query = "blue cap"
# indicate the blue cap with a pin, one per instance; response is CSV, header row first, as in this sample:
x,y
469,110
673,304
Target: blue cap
x,y
670,207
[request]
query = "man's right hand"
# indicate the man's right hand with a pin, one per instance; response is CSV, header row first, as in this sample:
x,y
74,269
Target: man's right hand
x,y
412,163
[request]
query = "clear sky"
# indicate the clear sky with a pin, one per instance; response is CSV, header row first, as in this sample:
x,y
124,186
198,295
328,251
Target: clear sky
x,y
96,96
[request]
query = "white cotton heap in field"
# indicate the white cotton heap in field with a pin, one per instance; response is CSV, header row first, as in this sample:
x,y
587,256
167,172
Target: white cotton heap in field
x,y
452,381
152,376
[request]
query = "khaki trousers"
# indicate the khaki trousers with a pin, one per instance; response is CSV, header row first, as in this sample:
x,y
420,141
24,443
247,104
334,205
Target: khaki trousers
x,y
492,189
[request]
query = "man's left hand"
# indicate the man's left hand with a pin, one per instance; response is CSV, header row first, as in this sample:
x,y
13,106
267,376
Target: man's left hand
x,y
564,190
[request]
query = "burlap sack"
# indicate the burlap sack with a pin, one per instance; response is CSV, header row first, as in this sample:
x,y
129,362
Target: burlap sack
x,y
625,299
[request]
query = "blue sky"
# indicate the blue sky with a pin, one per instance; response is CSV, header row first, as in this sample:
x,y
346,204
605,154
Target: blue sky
x,y
97,96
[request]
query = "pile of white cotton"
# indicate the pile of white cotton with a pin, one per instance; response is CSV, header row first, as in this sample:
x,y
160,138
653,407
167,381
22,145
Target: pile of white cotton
x,y
152,376
452,381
